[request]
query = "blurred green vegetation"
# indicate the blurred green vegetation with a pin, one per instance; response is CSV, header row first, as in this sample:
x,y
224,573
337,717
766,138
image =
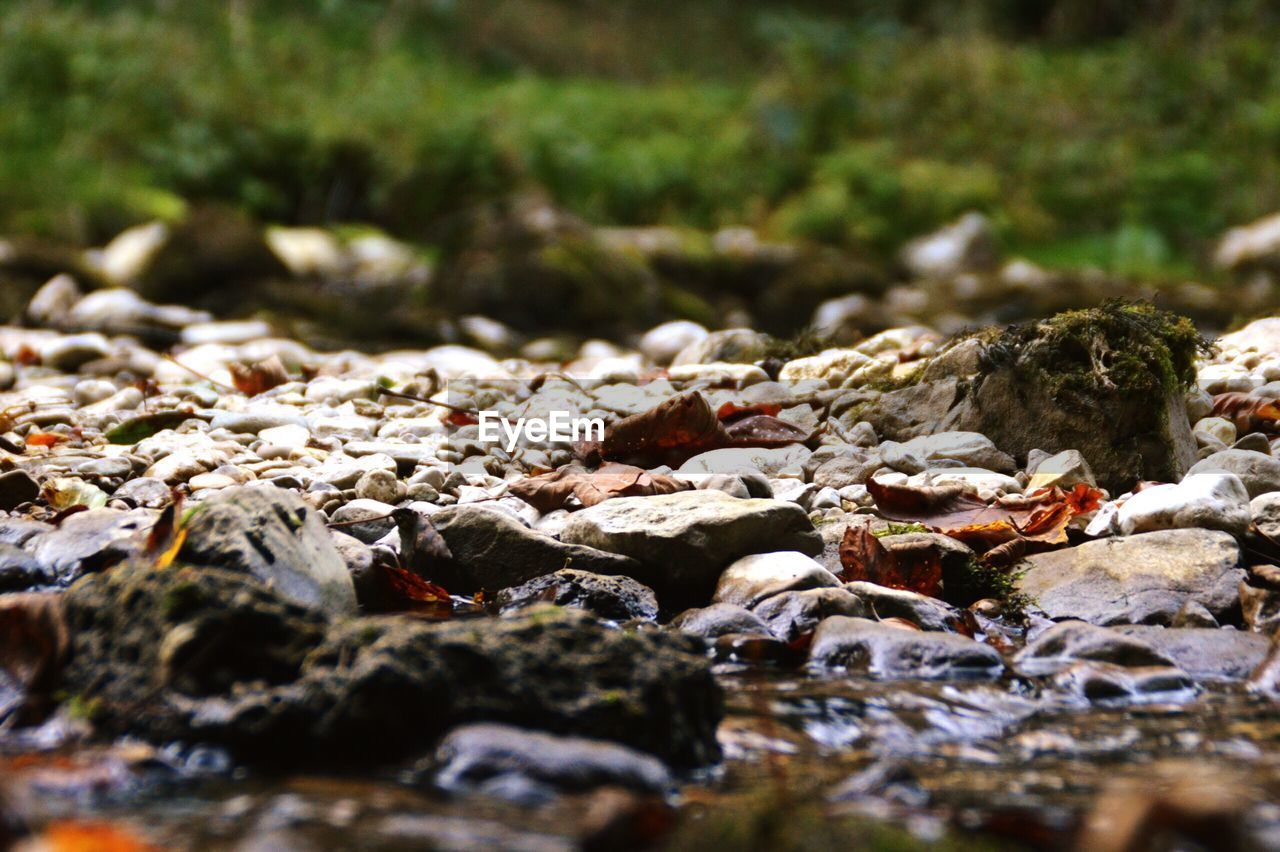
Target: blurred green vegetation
x,y
1122,134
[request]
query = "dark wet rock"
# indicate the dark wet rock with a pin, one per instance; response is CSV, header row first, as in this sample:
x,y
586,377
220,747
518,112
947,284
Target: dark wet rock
x,y
17,487
365,520
790,615
1260,606
1105,682
532,766
752,579
1260,472
207,655
683,541
886,651
614,598
20,571
921,610
18,531
754,649
731,346
1139,579
1204,653
720,619
492,550
88,541
1074,641
273,535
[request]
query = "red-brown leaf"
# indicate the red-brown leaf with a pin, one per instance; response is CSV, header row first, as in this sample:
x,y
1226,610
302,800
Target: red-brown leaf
x,y
253,379
550,491
731,411
762,430
864,557
1248,413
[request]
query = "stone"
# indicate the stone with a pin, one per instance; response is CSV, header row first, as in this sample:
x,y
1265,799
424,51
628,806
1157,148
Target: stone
x,y
752,579
733,346
274,536
20,571
52,303
845,470
1218,429
533,766
859,645
929,614
662,343
88,541
966,245
1064,470
70,352
970,448
833,366
17,487
491,550
1251,245
364,519
1260,472
170,655
1260,608
382,486
792,614
1207,654
1208,501
1070,642
776,461
684,540
614,598
1107,682
720,619
1140,579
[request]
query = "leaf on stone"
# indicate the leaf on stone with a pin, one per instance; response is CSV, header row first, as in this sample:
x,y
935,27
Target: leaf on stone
x,y
863,557
140,428
67,492
731,411
167,535
1248,413
550,491
762,430
260,377
33,642
411,593
44,439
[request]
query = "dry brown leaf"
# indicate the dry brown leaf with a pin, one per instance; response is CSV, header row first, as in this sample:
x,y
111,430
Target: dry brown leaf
x,y
253,379
550,491
864,557
1248,413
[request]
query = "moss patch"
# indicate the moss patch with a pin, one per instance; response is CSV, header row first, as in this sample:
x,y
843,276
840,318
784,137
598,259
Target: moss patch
x,y
1118,349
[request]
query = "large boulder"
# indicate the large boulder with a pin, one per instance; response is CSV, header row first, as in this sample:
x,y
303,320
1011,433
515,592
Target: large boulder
x,y
275,537
684,540
208,655
491,550
1140,579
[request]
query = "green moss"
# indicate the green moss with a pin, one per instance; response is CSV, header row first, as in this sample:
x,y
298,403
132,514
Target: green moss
x,y
805,342
1128,350
978,581
899,529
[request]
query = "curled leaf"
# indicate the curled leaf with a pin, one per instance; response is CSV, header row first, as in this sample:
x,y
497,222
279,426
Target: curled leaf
x,y
864,557
253,379
67,492
550,491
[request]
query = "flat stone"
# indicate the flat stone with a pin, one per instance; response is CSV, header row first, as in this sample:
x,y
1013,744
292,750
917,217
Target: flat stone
x,y
720,619
1072,641
364,519
790,615
683,541
754,578
1205,653
973,449
1107,683
614,598
1211,501
1260,472
890,652
1140,579
923,611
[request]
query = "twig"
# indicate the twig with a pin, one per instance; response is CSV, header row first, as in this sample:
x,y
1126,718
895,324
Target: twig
x,y
416,398
193,371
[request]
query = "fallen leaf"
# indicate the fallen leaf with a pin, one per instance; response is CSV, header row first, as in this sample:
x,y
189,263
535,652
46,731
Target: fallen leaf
x,y
864,557
731,411
763,430
167,535
1247,413
44,439
550,491
66,492
140,428
83,836
253,379
411,593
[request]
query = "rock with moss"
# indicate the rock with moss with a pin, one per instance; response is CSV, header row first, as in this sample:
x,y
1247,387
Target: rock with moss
x,y
209,655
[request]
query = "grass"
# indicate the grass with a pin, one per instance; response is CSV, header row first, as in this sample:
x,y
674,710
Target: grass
x,y
1129,146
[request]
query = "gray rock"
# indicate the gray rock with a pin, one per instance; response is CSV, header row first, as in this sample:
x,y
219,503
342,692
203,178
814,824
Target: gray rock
x,y
17,487
1072,641
901,415
889,652
614,598
1141,579
235,665
720,619
921,610
790,615
1260,472
366,520
87,541
492,550
253,420
145,492
18,531
684,540
969,244
20,571
275,537
754,578
1204,653
532,766
970,448
846,470
1063,470
1109,683
731,346
70,352
663,343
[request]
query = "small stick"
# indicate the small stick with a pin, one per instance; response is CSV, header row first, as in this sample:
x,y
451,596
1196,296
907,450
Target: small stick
x,y
193,371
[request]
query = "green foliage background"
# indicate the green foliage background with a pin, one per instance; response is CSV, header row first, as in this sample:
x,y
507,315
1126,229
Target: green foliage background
x,y
1122,134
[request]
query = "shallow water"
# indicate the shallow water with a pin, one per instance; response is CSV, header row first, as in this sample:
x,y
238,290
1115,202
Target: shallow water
x,y
929,762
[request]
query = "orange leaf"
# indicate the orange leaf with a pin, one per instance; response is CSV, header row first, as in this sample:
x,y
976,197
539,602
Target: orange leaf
x,y
83,836
44,439
253,379
864,557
